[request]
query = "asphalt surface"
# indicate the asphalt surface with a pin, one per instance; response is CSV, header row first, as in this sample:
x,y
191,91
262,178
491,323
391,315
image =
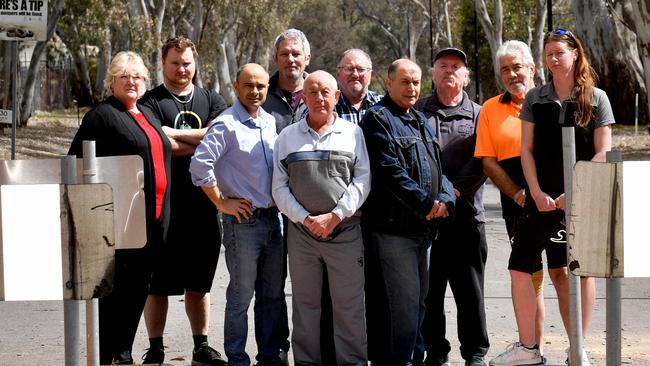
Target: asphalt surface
x,y
31,333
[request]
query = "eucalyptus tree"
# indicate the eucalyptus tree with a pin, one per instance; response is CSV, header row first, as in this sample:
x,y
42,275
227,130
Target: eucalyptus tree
x,y
513,20
26,102
402,22
616,37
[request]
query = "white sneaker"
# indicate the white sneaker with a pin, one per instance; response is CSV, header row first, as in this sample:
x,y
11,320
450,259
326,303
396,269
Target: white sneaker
x,y
517,354
585,359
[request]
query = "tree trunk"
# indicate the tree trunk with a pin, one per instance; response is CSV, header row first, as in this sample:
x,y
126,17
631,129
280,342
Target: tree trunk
x,y
223,73
105,54
612,51
231,54
197,26
641,19
26,102
537,42
493,31
159,18
85,96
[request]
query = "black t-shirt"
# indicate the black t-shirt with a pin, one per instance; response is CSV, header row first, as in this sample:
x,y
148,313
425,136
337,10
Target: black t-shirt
x,y
188,202
543,108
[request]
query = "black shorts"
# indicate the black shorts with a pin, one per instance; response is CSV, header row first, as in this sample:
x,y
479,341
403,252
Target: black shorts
x,y
511,212
188,261
534,233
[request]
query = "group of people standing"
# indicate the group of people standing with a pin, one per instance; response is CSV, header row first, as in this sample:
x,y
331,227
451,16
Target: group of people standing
x,y
372,204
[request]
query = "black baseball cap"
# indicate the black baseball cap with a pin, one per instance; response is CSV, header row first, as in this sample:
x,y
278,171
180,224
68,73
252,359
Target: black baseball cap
x,y
451,51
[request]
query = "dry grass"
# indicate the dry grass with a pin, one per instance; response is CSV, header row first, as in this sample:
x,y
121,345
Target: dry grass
x,y
48,134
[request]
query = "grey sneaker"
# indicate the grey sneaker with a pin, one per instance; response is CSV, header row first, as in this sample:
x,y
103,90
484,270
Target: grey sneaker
x,y
516,354
585,359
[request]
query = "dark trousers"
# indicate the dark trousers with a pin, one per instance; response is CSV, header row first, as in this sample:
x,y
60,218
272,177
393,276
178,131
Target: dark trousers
x,y
327,348
284,318
458,258
120,312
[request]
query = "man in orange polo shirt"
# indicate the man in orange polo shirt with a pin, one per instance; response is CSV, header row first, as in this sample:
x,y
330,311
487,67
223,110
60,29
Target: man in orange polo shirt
x,y
498,143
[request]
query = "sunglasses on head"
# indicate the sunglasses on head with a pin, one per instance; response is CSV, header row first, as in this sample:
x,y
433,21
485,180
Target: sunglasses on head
x,y
559,32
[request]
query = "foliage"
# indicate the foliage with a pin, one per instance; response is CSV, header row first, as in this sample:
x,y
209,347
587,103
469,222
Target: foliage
x,y
465,28
229,33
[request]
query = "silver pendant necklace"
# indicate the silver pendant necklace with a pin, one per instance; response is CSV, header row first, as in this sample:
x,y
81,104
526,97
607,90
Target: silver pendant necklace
x,y
184,103
189,97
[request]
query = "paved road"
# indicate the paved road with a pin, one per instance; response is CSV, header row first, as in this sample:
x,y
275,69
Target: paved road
x,y
31,333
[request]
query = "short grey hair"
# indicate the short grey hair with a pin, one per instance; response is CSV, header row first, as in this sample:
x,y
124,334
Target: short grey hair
x,y
294,35
514,47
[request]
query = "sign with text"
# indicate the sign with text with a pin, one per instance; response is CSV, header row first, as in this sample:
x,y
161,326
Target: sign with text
x,y
5,114
23,20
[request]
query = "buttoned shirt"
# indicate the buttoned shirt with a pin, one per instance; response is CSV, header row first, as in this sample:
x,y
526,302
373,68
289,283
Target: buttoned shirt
x,y
236,154
344,109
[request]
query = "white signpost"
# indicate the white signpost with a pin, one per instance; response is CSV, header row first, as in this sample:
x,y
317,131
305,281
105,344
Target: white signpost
x,y
58,241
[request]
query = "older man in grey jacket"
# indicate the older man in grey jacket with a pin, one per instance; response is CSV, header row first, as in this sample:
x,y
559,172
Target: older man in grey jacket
x,y
321,177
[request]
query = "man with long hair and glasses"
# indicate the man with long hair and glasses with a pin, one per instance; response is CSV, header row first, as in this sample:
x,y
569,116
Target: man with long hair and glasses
x,y
189,261
570,98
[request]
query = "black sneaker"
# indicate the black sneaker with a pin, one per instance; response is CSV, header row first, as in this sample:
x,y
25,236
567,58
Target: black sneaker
x,y
153,356
284,358
207,356
476,361
123,358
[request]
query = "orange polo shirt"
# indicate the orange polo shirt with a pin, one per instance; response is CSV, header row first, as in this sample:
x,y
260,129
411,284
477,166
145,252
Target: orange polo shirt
x,y
499,129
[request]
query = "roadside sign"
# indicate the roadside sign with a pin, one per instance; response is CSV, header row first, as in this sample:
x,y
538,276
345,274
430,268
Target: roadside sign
x,y
23,20
5,116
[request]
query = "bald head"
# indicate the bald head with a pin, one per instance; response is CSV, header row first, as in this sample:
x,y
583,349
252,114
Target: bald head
x,y
251,86
403,64
251,68
320,94
322,77
403,82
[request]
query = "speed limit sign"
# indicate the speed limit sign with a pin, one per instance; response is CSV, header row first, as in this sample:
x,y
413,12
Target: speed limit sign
x,y
5,116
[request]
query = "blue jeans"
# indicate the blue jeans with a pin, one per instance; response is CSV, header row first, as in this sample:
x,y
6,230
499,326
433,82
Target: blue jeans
x,y
254,257
398,293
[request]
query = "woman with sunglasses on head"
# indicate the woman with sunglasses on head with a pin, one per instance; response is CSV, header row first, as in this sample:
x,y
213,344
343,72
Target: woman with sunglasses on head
x,y
569,98
120,127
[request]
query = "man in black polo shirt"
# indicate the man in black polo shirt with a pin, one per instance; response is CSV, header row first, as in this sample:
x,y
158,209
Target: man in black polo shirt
x,y
189,260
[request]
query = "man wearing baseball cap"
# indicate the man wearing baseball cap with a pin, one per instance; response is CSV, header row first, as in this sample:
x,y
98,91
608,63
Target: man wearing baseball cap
x,y
459,252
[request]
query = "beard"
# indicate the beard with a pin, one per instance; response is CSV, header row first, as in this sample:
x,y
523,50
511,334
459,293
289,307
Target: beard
x,y
518,87
292,74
